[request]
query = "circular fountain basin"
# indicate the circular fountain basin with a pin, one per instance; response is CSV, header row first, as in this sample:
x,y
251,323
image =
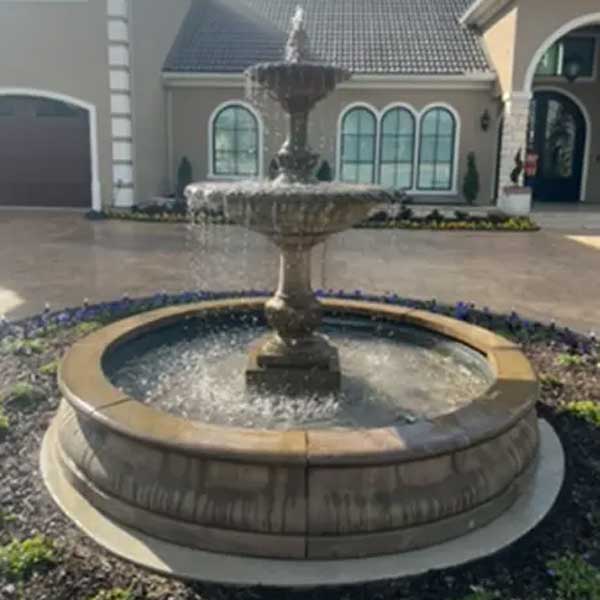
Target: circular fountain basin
x,y
303,493
303,211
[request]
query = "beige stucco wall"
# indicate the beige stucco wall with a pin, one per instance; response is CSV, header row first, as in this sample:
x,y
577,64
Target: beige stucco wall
x,y
154,25
192,107
539,19
61,48
499,40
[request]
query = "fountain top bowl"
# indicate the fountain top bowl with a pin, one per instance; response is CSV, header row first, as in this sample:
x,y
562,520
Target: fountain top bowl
x,y
286,80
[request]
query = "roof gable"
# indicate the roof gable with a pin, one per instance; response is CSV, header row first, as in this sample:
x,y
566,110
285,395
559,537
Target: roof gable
x,y
404,37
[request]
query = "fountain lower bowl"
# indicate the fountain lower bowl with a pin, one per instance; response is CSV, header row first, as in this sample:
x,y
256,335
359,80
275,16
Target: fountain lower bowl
x,y
303,211
301,494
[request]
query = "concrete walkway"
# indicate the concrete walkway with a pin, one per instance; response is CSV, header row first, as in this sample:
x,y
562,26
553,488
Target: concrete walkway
x,y
61,258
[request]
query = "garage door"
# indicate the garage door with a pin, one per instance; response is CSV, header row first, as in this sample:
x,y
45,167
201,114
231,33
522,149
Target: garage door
x,y
44,153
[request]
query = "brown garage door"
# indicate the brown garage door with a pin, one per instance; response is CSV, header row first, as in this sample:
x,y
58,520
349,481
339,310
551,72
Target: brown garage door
x,y
44,153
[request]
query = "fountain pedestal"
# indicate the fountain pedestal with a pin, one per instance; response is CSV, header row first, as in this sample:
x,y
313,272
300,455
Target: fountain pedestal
x,y
294,359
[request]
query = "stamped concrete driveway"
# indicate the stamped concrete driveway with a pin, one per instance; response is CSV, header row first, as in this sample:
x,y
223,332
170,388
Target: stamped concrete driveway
x,y
61,258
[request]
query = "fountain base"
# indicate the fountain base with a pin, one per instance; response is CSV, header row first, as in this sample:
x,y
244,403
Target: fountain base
x,y
309,367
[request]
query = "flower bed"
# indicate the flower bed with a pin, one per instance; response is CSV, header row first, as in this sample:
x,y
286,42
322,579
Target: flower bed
x,y
559,560
406,219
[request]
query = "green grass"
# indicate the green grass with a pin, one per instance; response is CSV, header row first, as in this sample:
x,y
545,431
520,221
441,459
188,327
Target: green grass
x,y
18,560
575,578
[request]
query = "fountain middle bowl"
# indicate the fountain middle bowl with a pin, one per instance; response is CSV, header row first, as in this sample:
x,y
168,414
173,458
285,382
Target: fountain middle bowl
x,y
285,210
302,493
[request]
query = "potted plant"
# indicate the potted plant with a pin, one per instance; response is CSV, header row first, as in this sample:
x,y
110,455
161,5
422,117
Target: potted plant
x,y
516,198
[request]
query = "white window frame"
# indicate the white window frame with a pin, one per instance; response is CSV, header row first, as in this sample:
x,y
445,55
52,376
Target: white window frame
x,y
550,79
260,133
455,159
341,117
418,115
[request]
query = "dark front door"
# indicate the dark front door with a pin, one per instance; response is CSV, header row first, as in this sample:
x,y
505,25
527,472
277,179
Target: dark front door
x,y
557,135
44,153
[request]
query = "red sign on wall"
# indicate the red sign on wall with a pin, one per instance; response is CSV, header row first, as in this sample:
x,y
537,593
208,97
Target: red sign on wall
x,y
531,164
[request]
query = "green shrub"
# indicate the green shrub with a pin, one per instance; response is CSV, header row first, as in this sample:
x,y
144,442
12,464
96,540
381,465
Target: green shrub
x,y
4,425
585,409
184,176
19,559
29,347
481,594
50,368
576,579
23,396
324,173
87,328
114,594
569,360
471,182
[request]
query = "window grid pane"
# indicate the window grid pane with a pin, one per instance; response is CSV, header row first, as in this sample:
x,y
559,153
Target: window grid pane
x,y
358,146
436,155
235,142
397,149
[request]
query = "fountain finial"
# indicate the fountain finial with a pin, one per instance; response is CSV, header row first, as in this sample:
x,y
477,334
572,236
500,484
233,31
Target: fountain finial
x,y
297,46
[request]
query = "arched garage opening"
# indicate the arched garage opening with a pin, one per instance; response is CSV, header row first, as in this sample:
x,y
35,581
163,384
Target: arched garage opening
x,y
48,150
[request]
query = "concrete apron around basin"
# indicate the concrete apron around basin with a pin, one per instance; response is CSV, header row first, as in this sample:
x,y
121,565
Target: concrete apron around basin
x,y
153,476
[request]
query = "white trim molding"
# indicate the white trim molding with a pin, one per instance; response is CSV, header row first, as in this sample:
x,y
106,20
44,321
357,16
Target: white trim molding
x,y
482,11
96,191
469,81
418,115
119,64
229,103
588,131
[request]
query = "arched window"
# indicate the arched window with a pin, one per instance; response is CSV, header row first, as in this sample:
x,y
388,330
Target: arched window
x,y
235,142
397,152
436,151
358,140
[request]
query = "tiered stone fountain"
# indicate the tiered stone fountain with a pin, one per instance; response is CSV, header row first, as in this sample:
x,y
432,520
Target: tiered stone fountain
x,y
171,492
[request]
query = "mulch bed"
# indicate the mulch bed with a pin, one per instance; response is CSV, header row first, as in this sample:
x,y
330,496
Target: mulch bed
x,y
83,569
434,221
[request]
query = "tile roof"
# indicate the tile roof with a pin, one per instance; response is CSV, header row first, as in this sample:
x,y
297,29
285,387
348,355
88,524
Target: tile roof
x,y
418,37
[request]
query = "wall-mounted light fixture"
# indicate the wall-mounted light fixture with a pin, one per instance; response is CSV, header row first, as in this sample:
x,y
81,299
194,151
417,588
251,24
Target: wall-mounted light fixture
x,y
486,120
572,68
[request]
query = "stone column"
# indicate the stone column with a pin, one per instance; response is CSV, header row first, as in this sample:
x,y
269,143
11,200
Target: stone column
x,y
514,134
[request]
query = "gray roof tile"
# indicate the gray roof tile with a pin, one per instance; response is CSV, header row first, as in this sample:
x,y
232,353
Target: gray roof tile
x,y
365,36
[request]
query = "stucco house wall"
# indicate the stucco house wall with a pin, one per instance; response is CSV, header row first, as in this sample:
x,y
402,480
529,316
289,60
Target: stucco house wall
x,y
154,25
61,47
540,19
192,108
499,39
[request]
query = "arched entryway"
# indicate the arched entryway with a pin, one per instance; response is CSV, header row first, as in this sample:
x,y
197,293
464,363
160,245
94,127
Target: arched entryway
x,y
48,150
557,135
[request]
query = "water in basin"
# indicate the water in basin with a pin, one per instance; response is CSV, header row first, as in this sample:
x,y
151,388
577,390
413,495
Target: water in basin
x,y
390,374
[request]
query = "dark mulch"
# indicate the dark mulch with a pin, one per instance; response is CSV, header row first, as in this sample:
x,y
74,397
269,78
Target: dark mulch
x,y
518,573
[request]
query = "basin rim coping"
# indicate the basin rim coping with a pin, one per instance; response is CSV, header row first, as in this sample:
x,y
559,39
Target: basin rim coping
x,y
486,418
